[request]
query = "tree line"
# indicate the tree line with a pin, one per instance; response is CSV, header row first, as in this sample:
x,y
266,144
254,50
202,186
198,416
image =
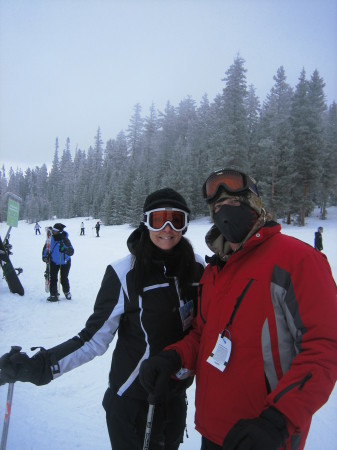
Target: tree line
x,y
288,144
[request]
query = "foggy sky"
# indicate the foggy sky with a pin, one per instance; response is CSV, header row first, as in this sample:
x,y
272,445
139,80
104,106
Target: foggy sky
x,y
68,67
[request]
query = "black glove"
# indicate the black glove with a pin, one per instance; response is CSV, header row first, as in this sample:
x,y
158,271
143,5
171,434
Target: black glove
x,y
155,374
17,366
45,259
267,432
62,247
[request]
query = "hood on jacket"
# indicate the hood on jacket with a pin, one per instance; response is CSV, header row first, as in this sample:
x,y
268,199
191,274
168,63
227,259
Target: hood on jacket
x,y
134,238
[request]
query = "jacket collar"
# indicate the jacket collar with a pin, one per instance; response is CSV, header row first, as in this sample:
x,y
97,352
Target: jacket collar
x,y
221,248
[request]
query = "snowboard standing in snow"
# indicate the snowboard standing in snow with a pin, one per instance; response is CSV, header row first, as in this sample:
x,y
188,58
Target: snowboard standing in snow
x,y
47,271
9,272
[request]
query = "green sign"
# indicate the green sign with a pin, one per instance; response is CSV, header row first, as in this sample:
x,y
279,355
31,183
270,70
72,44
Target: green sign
x,y
13,213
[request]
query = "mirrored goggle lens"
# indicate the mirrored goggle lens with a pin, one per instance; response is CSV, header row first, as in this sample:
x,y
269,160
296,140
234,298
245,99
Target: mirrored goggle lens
x,y
157,219
233,182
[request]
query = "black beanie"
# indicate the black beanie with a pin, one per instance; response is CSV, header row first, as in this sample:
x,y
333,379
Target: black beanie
x,y
165,197
59,227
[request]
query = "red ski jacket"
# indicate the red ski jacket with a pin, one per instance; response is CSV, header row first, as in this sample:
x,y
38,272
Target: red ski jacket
x,y
276,297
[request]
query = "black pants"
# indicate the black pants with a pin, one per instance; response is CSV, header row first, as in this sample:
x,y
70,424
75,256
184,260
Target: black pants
x,y
54,270
208,445
126,421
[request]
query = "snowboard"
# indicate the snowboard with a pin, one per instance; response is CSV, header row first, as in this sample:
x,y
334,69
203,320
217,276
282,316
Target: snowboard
x,y
47,277
47,271
9,272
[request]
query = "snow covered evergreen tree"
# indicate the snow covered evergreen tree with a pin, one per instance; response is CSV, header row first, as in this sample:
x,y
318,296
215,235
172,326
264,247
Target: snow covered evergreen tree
x,y
328,159
276,147
306,117
235,117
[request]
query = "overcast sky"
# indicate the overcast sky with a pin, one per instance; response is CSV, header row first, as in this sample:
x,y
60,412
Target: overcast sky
x,y
68,67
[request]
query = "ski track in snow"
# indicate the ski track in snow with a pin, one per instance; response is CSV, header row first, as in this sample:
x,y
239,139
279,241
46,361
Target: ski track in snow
x,y
67,414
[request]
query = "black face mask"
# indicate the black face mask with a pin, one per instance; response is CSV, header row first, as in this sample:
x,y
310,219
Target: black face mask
x,y
235,222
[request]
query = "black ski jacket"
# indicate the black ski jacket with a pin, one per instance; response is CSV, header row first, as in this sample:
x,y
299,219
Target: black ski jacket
x,y
318,241
145,324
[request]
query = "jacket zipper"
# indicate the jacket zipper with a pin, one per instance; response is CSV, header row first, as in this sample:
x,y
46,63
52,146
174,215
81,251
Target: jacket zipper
x,y
181,302
293,386
200,302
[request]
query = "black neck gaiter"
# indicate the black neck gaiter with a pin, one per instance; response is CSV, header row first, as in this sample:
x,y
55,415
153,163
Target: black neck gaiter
x,y
235,222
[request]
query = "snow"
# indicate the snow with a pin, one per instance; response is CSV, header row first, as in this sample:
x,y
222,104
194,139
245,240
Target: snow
x,y
67,414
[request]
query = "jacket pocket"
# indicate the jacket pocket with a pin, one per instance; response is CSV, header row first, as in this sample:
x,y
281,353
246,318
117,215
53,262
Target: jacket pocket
x,y
300,384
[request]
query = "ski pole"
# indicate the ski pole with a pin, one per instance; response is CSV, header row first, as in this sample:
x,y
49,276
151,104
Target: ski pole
x,y
148,428
14,349
7,416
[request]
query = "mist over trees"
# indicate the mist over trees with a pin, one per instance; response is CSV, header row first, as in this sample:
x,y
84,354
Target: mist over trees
x,y
288,144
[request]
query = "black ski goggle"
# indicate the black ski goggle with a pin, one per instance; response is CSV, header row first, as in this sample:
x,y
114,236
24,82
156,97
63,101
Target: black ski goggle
x,y
232,181
157,219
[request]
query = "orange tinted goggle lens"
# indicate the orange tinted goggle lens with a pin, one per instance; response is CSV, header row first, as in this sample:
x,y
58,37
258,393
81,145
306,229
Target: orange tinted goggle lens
x,y
158,218
233,181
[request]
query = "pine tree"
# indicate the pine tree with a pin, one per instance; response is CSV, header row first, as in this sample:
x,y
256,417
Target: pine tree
x,y
328,160
235,118
168,138
41,193
54,183
81,207
198,162
253,115
134,133
276,147
306,117
66,188
150,144
99,187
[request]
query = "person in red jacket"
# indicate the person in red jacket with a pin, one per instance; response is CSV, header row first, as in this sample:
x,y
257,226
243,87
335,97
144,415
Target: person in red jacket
x,y
264,342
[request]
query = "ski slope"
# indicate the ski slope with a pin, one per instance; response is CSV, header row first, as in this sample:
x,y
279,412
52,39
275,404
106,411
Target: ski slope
x,y
67,414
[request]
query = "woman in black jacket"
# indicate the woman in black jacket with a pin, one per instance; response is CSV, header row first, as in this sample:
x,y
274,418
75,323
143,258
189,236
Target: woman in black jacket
x,y
149,298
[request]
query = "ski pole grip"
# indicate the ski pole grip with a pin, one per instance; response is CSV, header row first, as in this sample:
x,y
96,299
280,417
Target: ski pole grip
x,y
151,399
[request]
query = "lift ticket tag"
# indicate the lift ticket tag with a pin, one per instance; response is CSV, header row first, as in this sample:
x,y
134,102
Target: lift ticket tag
x,y
220,355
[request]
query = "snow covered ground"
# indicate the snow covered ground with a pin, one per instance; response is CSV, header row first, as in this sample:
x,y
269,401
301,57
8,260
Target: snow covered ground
x,y
67,414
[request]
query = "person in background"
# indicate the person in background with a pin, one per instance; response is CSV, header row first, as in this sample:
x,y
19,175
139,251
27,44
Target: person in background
x,y
82,229
149,297
59,259
318,244
264,342
97,226
37,228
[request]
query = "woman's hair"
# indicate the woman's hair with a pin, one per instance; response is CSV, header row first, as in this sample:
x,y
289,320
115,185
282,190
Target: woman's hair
x,y
181,256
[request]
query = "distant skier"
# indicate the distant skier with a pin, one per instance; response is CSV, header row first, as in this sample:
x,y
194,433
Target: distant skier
x,y
97,226
82,229
37,228
319,239
59,258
